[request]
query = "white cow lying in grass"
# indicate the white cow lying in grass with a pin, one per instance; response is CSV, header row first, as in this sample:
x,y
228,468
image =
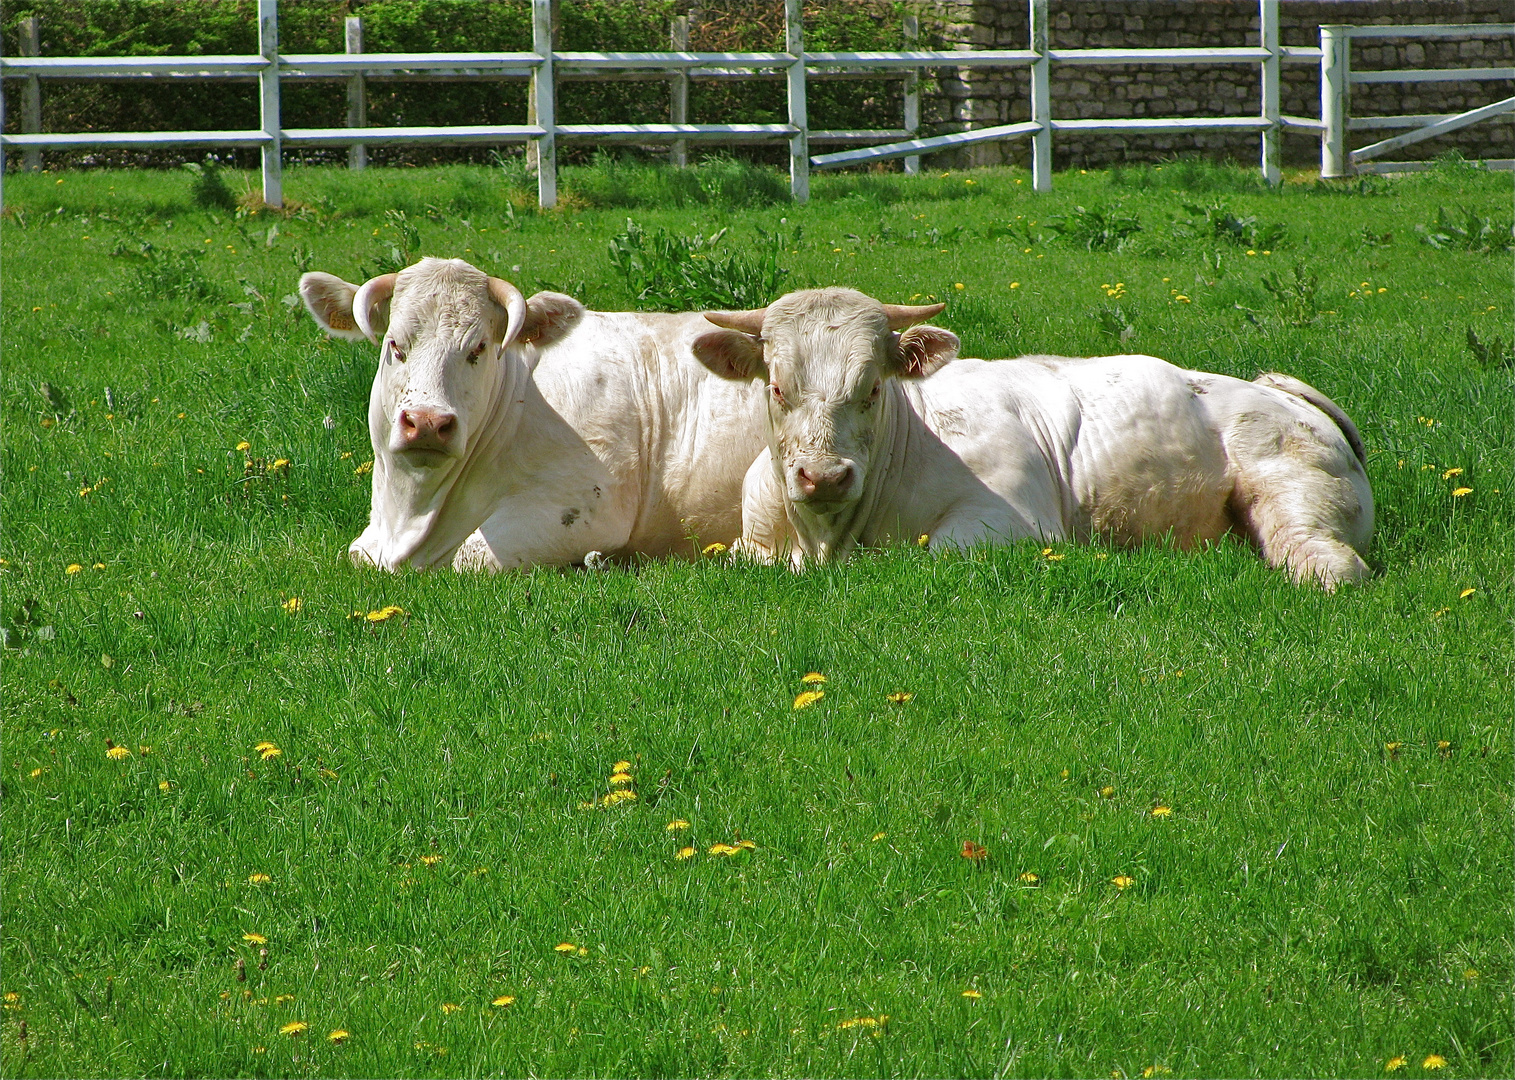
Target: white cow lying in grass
x,y
552,430
864,449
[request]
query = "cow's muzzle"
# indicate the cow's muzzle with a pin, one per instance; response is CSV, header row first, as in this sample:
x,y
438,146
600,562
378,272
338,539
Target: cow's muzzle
x,y
823,484
427,430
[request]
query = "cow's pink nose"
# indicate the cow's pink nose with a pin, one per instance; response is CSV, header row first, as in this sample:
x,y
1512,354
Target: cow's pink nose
x,y
825,484
427,429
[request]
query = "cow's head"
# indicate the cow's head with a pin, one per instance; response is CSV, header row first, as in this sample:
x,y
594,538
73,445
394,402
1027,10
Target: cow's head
x,y
448,373
827,355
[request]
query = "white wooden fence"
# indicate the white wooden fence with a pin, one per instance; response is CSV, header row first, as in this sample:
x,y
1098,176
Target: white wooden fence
x,y
544,64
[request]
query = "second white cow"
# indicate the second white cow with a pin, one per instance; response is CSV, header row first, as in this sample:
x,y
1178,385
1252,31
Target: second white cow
x,y
863,448
552,430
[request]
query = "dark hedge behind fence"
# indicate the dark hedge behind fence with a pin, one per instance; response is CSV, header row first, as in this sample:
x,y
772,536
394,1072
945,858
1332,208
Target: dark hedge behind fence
x,y
208,27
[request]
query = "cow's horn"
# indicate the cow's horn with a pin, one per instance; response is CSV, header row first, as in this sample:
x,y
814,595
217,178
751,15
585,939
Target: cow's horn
x,y
509,297
748,322
370,295
903,315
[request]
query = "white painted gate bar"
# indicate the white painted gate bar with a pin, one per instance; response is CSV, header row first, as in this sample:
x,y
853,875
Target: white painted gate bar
x,y
268,102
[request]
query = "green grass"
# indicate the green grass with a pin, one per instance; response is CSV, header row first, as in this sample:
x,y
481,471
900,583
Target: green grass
x,y
1317,902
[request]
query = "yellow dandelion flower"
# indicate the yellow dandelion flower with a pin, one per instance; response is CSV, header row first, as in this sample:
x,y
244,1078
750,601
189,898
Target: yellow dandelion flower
x,y
99,566
258,879
812,678
264,745
449,1007
1107,792
292,605
282,998
271,752
118,753
1466,593
1470,974
338,1035
972,995
620,778
1394,1064
922,540
1393,748
1434,1061
279,463
722,849
363,469
684,853
959,286
1030,878
11,997
255,938
244,445
621,766
677,825
1451,473
745,845
385,613
807,699
565,947
259,1049
35,773
900,697
1162,811
616,797
1156,1070
165,785
430,860
1458,493
1015,284
73,568
503,1001
294,1027
879,836
1121,881
713,549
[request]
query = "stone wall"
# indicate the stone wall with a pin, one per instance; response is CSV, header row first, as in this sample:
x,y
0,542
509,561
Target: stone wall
x,y
983,98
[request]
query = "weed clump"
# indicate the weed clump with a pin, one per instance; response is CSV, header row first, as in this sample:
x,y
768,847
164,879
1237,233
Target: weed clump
x,y
1099,228
207,187
1473,232
665,271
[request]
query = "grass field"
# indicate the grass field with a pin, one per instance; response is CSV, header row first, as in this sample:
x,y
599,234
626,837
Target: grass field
x,y
1229,827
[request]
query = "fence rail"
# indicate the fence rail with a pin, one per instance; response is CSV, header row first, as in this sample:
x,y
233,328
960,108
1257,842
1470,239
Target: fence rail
x,y
544,66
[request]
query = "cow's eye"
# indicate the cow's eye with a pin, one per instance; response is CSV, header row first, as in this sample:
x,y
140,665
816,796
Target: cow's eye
x,y
874,393
478,351
397,353
778,395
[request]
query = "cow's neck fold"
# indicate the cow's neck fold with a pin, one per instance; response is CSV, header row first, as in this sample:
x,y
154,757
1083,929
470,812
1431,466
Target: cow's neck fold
x,y
429,514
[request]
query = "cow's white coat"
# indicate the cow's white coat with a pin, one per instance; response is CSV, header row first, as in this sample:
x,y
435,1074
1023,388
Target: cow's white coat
x,y
580,431
863,448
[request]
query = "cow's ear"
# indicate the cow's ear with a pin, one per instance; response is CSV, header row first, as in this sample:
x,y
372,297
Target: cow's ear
x,y
921,350
549,316
329,300
731,354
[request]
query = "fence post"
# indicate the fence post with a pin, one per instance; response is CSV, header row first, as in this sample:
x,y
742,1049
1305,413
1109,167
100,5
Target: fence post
x,y
912,92
1268,20
799,142
678,103
544,111
1041,100
31,93
268,101
357,95
1335,86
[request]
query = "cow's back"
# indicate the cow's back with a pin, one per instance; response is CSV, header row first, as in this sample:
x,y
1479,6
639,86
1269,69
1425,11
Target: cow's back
x,y
1126,439
676,439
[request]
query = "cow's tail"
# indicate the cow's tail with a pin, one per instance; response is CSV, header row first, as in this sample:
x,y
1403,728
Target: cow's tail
x,y
1290,385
